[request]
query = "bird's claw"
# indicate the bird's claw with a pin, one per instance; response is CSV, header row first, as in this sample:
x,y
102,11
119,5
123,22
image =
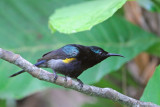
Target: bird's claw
x,y
55,76
80,83
65,78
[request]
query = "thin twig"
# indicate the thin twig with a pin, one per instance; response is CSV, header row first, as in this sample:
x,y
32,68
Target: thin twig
x,y
72,84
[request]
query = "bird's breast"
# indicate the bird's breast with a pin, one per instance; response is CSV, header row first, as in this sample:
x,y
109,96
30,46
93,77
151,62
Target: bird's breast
x,y
55,63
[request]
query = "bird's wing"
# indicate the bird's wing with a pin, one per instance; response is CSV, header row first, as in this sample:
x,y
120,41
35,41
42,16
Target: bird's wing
x,y
68,51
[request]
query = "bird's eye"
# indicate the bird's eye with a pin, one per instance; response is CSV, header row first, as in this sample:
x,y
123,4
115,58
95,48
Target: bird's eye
x,y
100,52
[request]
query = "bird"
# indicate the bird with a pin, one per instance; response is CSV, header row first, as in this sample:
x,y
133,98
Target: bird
x,y
71,60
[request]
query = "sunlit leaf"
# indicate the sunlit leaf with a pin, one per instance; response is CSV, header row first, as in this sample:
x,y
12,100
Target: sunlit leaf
x,y
83,16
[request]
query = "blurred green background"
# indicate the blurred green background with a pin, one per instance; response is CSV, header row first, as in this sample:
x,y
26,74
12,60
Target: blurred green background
x,y
130,32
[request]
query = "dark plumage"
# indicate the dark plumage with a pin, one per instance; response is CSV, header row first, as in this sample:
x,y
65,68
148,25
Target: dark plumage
x,y
71,60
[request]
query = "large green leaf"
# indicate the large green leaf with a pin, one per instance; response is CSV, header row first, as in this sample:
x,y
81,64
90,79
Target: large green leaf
x,y
83,16
24,31
152,92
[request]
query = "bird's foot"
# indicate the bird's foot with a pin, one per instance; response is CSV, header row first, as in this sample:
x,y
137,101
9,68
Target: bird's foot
x,y
55,76
65,78
80,83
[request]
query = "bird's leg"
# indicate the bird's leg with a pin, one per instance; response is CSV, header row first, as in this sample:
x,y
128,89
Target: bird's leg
x,y
80,82
55,75
65,78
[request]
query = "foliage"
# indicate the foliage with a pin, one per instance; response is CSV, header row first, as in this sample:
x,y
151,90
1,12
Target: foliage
x,y
152,92
84,17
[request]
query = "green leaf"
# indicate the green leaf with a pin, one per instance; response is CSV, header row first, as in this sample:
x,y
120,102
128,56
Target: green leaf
x,y
152,92
24,31
83,16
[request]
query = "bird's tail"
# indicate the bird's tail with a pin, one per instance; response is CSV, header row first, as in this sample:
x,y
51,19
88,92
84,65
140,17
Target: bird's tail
x,y
17,73
22,71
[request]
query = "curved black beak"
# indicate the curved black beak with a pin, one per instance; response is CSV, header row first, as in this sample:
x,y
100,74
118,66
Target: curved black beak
x,y
112,54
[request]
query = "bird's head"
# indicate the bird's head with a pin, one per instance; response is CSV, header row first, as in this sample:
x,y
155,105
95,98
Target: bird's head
x,y
101,54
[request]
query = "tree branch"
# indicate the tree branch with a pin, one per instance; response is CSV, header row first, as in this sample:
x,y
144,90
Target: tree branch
x,y
87,89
